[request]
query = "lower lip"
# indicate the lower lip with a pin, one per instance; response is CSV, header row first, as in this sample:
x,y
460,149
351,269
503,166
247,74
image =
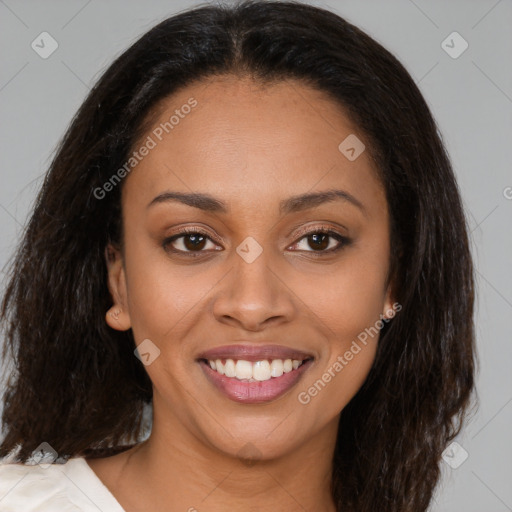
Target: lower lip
x,y
254,392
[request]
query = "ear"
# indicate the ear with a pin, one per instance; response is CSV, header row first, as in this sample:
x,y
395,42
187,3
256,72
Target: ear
x,y
117,316
391,307
388,310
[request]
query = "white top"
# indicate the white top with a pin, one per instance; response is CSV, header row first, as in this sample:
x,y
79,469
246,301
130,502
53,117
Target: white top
x,y
69,487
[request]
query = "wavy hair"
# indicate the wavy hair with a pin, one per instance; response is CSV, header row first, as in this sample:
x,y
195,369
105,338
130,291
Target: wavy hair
x,y
75,382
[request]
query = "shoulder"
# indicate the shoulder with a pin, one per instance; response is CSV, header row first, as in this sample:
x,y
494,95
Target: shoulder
x,y
68,487
33,487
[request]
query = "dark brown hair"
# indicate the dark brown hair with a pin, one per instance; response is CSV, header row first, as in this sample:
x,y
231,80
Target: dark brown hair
x,y
76,383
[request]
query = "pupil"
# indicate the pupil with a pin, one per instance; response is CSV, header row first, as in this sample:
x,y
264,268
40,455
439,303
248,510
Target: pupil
x,y
324,238
194,245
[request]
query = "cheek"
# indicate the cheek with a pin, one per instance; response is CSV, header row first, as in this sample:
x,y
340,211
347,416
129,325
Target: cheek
x,y
349,303
161,295
338,381
352,315
349,353
351,298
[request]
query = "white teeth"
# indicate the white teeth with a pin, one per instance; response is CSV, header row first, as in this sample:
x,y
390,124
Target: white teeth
x,y
276,368
254,371
229,368
261,370
243,370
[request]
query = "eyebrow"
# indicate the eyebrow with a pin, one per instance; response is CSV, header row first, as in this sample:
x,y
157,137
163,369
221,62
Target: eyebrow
x,y
293,204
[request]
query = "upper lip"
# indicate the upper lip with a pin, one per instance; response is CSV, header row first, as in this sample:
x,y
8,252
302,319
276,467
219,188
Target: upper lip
x,y
254,353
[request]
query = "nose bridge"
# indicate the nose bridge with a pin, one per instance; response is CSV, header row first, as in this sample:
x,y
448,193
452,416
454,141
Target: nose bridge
x,y
254,293
253,286
252,270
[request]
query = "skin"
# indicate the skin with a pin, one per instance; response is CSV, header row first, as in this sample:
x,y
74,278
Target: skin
x,y
250,146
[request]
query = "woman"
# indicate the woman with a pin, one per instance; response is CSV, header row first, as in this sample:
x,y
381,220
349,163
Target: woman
x,y
252,226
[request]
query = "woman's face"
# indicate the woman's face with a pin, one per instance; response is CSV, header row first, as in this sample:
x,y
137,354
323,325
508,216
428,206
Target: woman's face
x,y
260,282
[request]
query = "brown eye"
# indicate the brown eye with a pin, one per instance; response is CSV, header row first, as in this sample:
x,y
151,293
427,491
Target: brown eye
x,y
189,241
322,241
318,241
194,242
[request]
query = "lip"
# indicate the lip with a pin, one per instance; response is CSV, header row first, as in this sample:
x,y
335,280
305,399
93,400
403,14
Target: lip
x,y
254,353
254,392
243,391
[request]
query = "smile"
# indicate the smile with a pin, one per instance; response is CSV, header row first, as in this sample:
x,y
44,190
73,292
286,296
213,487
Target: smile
x,y
254,374
256,371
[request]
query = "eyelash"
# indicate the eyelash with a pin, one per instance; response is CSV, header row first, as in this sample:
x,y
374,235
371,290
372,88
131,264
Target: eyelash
x,y
323,230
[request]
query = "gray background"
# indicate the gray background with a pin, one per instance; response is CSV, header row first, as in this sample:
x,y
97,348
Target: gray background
x,y
470,96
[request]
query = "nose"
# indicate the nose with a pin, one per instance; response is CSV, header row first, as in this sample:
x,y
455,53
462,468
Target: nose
x,y
254,296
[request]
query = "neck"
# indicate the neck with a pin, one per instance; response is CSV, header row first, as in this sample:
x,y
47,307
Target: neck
x,y
182,473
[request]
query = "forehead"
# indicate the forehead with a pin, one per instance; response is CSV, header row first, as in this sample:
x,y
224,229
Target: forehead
x,y
233,137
